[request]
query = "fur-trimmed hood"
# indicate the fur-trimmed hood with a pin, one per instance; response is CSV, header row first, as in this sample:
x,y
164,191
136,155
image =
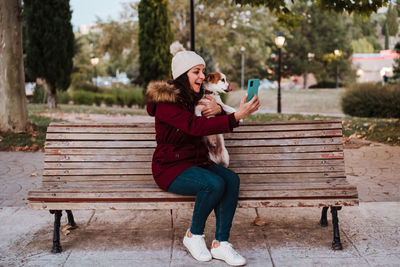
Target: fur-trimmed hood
x,y
160,92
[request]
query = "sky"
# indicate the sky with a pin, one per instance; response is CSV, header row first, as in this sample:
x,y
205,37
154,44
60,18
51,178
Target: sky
x,y
85,11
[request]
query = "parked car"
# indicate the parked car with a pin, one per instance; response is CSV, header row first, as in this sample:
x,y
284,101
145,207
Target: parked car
x,y
267,84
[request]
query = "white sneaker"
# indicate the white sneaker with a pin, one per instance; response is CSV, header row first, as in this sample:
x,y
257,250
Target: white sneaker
x,y
224,251
196,246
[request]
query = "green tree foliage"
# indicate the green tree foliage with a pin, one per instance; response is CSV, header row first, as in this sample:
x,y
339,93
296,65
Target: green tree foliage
x,y
391,21
396,65
362,46
364,35
118,40
223,29
308,38
357,6
49,43
155,37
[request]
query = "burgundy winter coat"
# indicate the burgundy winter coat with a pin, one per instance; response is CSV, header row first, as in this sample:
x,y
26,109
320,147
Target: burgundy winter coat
x,y
179,133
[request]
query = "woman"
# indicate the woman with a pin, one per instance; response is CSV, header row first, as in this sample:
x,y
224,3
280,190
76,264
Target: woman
x,y
180,162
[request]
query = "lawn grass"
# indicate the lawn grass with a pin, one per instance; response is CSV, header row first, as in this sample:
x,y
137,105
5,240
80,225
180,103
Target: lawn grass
x,y
372,129
38,109
30,141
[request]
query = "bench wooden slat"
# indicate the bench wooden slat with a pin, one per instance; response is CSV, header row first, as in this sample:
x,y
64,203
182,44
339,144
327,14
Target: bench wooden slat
x,y
254,177
243,128
240,170
151,124
228,143
125,182
151,136
243,203
270,159
247,194
241,165
232,150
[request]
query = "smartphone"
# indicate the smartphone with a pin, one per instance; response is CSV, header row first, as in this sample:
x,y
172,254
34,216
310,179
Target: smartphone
x,y
252,88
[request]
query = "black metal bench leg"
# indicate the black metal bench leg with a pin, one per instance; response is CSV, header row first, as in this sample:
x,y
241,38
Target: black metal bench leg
x,y
324,219
56,235
336,244
71,220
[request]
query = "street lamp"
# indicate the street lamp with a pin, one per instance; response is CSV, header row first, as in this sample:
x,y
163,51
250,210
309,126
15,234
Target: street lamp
x,y
337,53
242,76
94,61
279,41
192,26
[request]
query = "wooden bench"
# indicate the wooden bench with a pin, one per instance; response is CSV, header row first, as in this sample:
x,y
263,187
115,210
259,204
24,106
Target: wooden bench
x,y
108,166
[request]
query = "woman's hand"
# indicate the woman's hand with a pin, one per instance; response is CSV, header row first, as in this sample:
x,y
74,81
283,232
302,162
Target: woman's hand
x,y
245,109
210,108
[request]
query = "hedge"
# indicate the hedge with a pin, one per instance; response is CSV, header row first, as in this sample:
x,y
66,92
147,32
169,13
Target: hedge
x,y
372,100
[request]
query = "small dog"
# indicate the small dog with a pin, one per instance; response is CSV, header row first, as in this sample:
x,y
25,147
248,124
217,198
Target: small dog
x,y
214,84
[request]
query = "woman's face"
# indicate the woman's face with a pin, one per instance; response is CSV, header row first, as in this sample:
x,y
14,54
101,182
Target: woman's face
x,y
196,77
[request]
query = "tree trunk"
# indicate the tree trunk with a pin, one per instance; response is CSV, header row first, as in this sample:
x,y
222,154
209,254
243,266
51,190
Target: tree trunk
x,y
305,76
51,95
13,106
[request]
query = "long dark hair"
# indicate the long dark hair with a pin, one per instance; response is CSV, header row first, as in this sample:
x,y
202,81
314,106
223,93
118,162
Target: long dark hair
x,y
186,97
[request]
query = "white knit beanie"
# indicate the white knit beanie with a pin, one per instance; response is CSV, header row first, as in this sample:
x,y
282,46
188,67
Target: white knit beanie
x,y
183,60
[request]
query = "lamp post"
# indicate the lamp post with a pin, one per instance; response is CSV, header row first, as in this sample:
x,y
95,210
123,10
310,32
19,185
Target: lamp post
x,y
337,53
192,25
310,57
279,41
242,49
94,61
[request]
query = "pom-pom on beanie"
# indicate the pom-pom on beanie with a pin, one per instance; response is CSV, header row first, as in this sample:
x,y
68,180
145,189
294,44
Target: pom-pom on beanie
x,y
183,60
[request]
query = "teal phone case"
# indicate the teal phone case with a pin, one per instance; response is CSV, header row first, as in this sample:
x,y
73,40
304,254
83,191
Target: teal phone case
x,y
252,88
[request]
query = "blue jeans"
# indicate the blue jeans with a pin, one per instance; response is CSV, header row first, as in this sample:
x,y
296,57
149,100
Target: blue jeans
x,y
216,188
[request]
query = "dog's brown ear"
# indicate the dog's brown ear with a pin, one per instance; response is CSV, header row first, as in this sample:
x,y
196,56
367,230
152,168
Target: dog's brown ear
x,y
209,77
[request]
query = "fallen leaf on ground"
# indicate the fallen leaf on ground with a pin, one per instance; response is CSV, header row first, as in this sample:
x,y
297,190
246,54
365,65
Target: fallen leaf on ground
x,y
386,193
34,174
65,230
35,147
371,128
258,221
389,139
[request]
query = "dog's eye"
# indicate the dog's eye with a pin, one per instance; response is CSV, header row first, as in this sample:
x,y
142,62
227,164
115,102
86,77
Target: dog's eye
x,y
223,79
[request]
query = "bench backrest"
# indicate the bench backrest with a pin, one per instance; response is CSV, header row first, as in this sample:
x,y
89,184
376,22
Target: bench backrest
x,y
280,153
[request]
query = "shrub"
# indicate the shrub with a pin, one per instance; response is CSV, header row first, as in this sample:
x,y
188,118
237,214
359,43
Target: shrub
x,y
372,100
98,99
39,95
83,97
62,97
85,86
325,85
109,99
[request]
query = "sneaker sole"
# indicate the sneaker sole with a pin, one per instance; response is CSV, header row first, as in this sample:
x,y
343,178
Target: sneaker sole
x,y
196,258
230,263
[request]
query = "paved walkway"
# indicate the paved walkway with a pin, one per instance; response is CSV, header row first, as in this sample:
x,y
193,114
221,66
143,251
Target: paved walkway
x,y
291,237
